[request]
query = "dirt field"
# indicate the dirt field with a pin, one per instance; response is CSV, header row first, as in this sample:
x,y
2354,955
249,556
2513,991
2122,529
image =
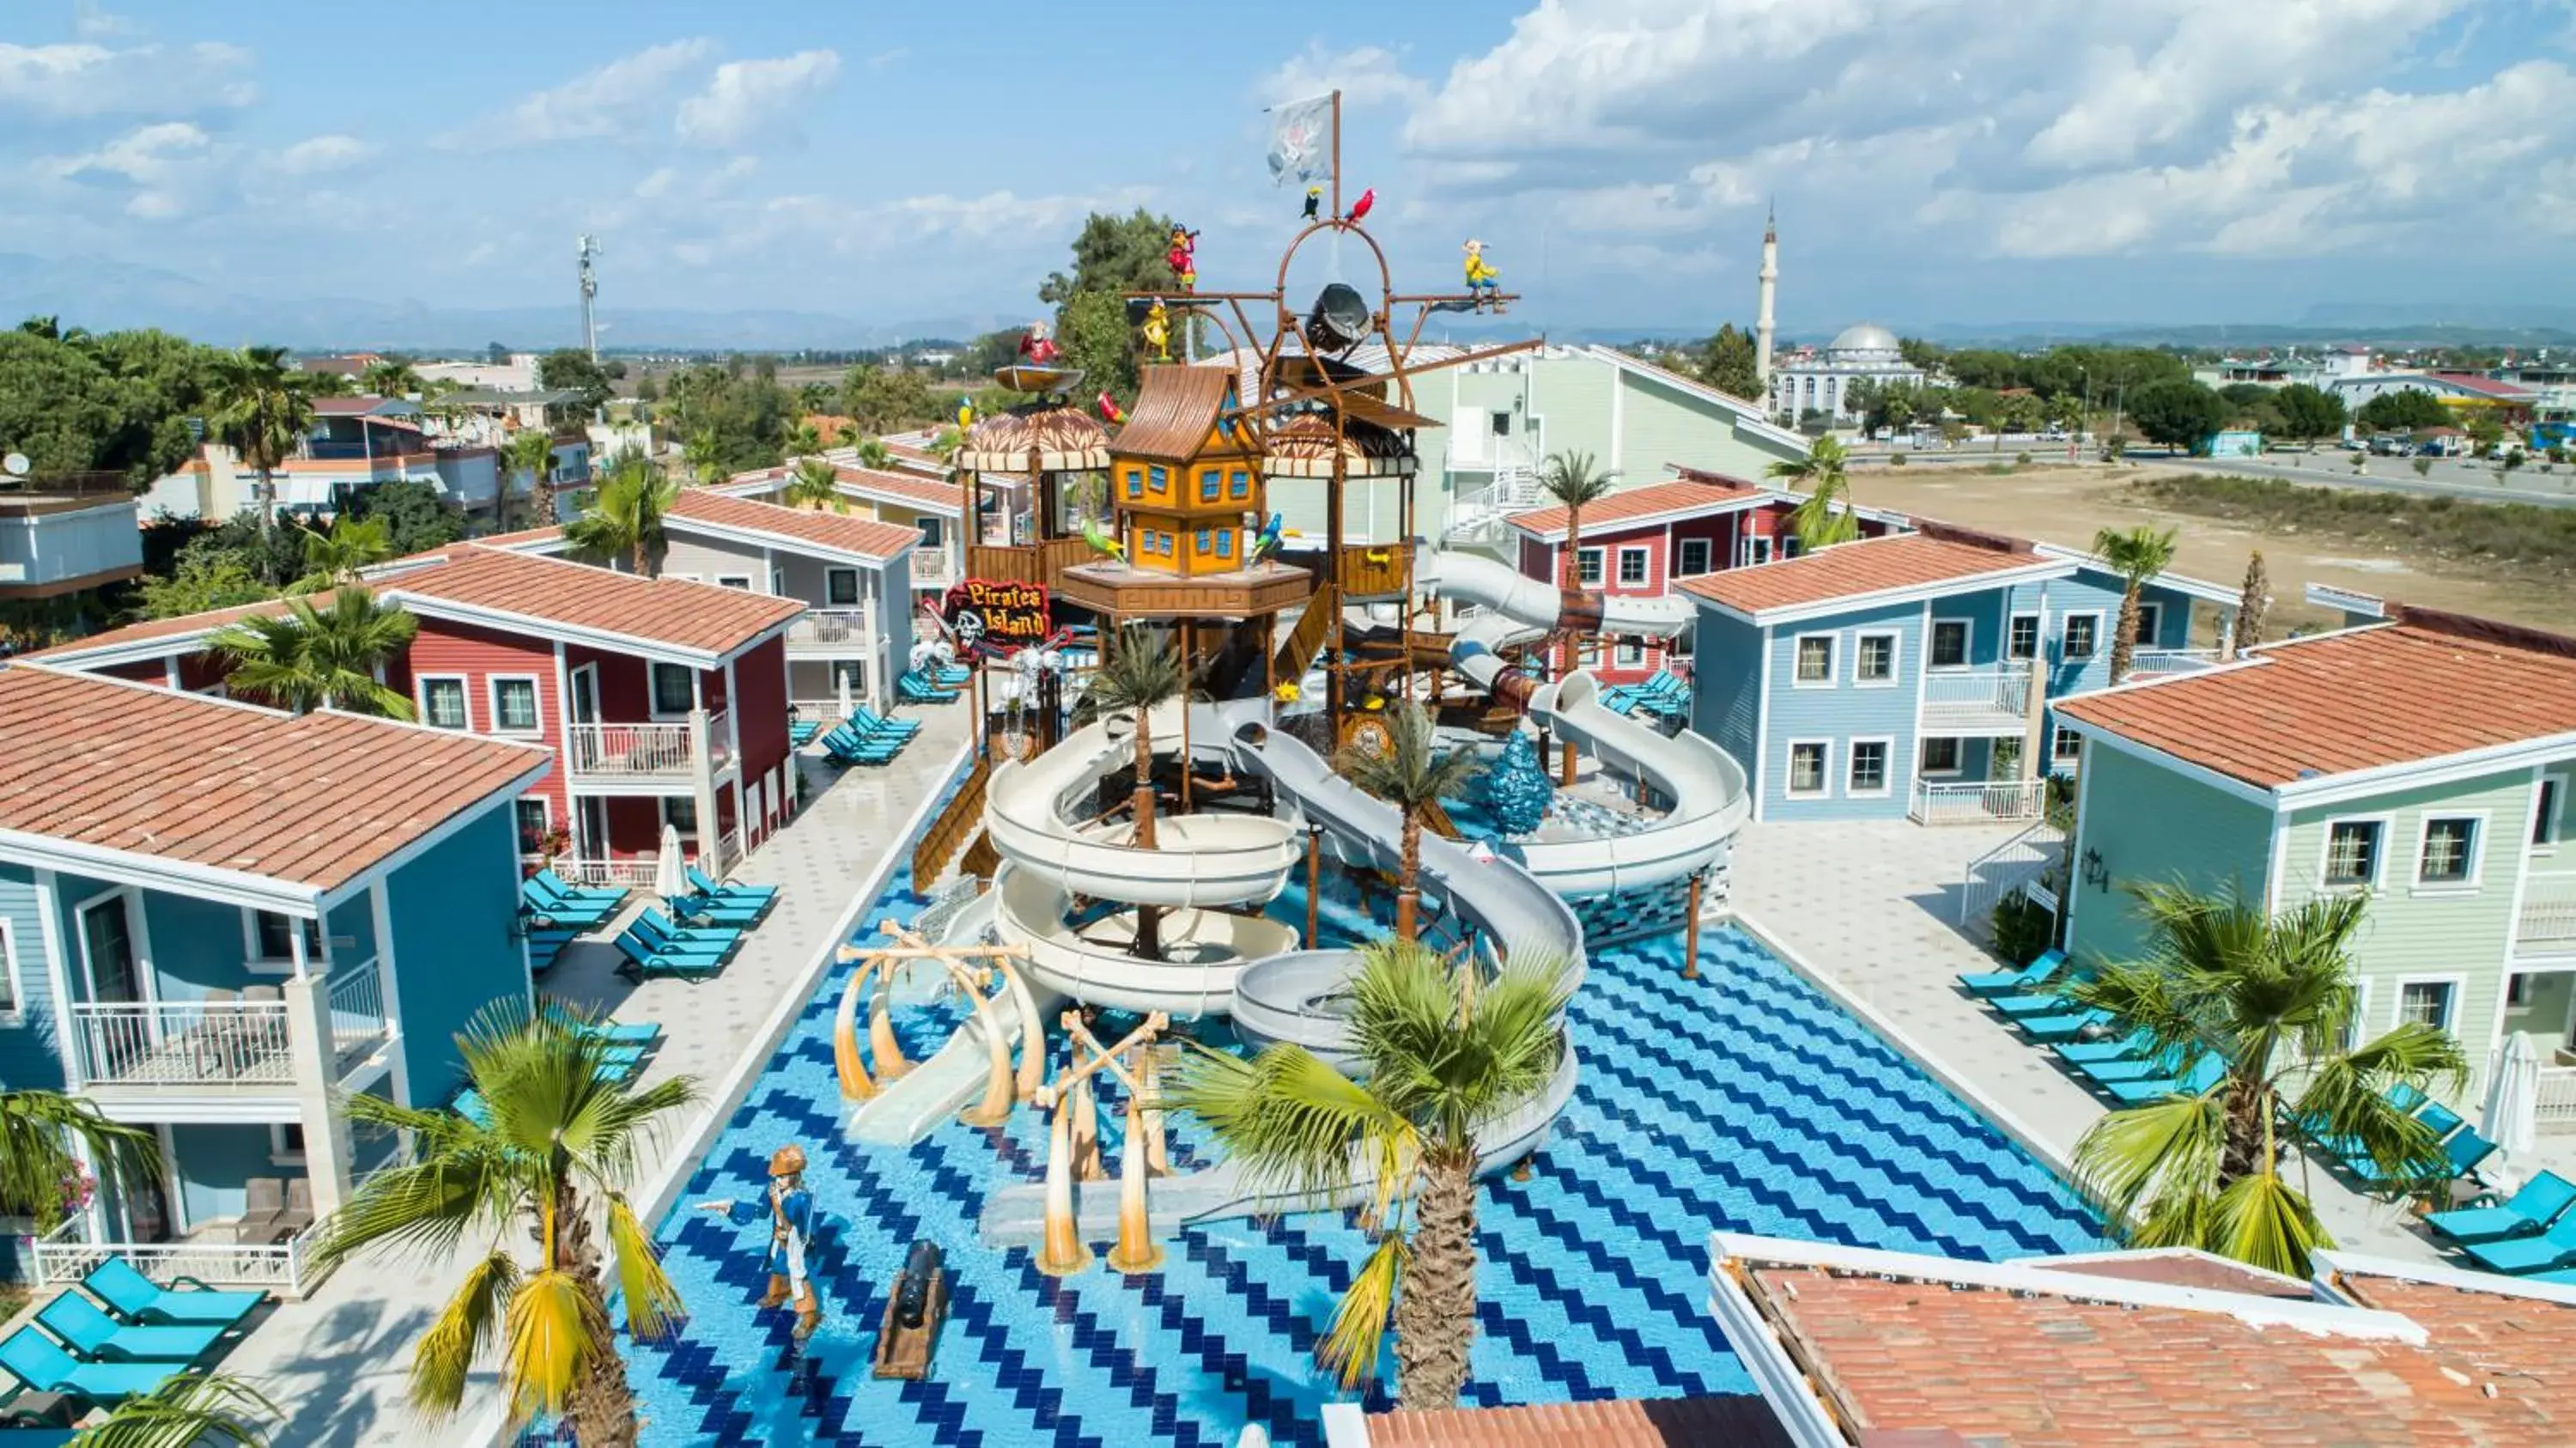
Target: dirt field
x,y
2067,505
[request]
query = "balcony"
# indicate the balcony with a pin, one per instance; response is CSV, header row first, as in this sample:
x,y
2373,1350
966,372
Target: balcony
x,y
69,1252
667,754
2547,922
1026,562
933,568
843,631
1982,701
222,1045
67,532
2153,663
2000,801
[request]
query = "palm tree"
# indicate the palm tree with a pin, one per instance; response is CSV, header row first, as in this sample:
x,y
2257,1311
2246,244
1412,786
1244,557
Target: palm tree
x,y
873,453
531,452
1444,1055
390,377
552,1161
2273,996
1143,672
1823,517
2137,555
1414,774
815,484
188,1410
263,407
805,441
704,454
336,558
625,514
36,1165
307,658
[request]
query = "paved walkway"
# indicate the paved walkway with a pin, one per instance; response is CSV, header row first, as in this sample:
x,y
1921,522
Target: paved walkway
x,y
337,1364
1866,909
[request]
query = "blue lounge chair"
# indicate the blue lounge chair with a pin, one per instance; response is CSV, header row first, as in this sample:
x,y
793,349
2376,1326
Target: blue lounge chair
x,y
622,1033
2540,1202
2135,1043
2065,1026
912,688
730,889
711,912
869,721
643,963
657,931
187,1302
609,895
2140,1068
2462,1153
2204,1074
2011,982
2551,1251
2030,1007
40,1363
844,747
469,1104
99,1338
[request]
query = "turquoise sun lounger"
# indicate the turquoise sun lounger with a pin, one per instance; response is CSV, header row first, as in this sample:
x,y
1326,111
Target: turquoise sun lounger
x,y
2065,1026
2540,1203
2551,1251
2135,1043
643,963
731,889
100,1338
2009,982
2200,1078
40,1363
187,1303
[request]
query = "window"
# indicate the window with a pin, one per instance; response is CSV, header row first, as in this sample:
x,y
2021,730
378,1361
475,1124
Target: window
x,y
2450,852
535,822
1679,646
514,706
1502,424
2023,640
273,937
681,814
1869,766
2352,852
777,582
1207,541
1225,542
1156,480
8,969
934,533
1630,654
2544,816
674,689
1632,567
841,587
1587,567
1211,485
2517,991
285,1143
1950,638
1940,756
1756,550
442,703
1874,659
734,580
2083,633
2426,1003
1135,482
1694,561
1815,659
2066,746
2151,623
853,672
1807,767
1242,484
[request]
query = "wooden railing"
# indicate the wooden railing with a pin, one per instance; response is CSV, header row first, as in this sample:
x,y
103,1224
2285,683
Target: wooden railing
x,y
1374,568
963,816
1026,562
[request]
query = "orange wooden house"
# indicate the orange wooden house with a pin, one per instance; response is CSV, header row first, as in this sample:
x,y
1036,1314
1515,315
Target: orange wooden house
x,y
1185,475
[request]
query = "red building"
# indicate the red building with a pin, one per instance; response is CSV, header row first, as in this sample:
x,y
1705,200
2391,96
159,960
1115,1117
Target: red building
x,y
664,700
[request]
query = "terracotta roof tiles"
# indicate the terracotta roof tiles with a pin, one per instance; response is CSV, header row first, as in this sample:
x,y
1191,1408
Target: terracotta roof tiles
x,y
1871,566
1735,1422
2428,686
673,613
312,800
858,537
185,626
1682,498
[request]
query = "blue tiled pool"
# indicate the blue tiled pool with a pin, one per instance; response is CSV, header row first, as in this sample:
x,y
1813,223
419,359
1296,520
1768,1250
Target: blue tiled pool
x,y
1743,1100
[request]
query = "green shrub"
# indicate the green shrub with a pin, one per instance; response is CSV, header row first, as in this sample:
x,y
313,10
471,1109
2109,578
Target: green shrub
x,y
2423,466
1896,460
2023,930
2531,541
2021,459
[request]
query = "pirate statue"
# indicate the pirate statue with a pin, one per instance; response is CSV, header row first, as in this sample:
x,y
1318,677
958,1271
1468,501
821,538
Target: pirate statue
x,y
791,1236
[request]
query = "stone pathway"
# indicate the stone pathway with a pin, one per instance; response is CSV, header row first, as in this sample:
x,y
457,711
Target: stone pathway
x,y
337,1364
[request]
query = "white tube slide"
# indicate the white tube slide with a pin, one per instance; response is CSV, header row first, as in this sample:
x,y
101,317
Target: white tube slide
x,y
1204,951
1707,802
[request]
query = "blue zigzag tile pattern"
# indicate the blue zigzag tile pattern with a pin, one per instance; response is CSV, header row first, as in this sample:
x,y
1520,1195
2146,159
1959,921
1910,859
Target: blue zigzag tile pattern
x,y
1742,1100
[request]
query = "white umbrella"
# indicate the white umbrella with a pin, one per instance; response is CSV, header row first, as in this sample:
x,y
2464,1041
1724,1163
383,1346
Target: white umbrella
x,y
668,882
2513,1096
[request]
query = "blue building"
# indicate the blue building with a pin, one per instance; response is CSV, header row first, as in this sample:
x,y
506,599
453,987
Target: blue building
x,y
1891,677
216,918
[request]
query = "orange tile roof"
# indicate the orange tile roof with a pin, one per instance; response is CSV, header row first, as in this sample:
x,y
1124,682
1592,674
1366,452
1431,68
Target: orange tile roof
x,y
674,613
310,801
183,627
920,491
1681,498
1870,566
2428,686
862,537
1734,1422
522,537
1896,1354
2523,1340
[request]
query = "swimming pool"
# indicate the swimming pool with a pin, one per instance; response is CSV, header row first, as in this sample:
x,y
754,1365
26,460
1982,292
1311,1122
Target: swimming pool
x,y
1743,1100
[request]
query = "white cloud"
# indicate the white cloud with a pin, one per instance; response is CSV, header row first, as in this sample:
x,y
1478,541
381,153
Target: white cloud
x,y
618,98
747,97
323,154
86,79
166,168
1365,76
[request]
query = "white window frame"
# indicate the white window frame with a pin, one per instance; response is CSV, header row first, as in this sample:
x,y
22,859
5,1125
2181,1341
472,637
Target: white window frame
x,y
464,698
543,803
741,581
1757,549
17,1007
2058,753
1645,567
858,590
653,692
2038,636
279,1153
1588,565
1628,654
1958,756
1886,766
2066,628
2467,885
2548,822
1895,657
2459,984
492,691
2379,857
1797,646
1967,649
1681,557
257,963
663,821
137,931
2149,632
1824,774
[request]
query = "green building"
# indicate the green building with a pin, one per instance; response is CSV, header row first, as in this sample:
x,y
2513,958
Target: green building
x,y
2426,760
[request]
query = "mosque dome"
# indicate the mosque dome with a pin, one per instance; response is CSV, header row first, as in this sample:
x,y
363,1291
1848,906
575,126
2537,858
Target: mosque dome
x,y
1858,342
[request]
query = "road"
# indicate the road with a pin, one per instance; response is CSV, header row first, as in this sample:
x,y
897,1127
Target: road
x,y
2461,478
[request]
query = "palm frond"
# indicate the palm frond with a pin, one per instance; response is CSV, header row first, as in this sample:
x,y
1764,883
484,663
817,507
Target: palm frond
x,y
652,1303
553,1330
187,1410
2262,1219
471,1322
1352,1348
1286,1114
2171,1147
1412,771
1571,479
36,1163
1140,671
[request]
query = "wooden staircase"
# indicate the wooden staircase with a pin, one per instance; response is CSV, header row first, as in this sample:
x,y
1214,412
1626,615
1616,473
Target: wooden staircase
x,y
1307,638
962,819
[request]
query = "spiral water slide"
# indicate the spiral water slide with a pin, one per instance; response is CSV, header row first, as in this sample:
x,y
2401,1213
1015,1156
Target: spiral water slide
x,y
1703,786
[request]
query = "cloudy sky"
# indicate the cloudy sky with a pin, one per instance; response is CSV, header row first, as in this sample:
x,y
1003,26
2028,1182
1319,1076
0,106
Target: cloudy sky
x,y
1960,161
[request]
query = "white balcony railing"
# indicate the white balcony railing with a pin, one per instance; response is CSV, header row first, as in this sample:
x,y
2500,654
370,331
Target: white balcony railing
x,y
1983,803
2547,923
69,1252
2556,1100
635,872
182,1043
2151,662
843,630
1994,699
933,566
358,1019
650,751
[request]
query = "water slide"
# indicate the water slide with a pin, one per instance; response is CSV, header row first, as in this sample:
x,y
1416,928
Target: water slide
x,y
930,1095
1704,787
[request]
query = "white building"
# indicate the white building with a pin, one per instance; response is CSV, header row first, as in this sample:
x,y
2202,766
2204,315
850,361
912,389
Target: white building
x,y
519,374
1813,381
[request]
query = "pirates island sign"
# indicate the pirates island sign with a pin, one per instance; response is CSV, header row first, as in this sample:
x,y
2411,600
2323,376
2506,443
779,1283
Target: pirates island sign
x,y
997,618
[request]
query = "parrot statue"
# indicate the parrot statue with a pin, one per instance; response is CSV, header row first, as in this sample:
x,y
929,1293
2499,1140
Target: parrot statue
x,y
1314,202
1100,541
1110,411
1268,543
1360,208
965,414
